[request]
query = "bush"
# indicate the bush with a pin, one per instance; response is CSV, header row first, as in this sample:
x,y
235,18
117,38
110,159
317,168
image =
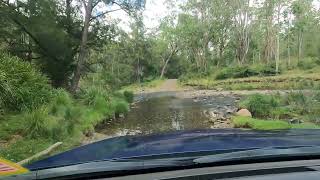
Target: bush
x,y
39,123
91,95
128,96
308,63
22,87
260,105
235,72
265,69
246,71
298,102
120,106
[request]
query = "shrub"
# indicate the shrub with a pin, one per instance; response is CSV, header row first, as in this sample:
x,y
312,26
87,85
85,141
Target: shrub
x,y
39,123
260,105
265,69
298,102
120,106
92,94
246,71
128,96
235,72
61,101
308,63
21,85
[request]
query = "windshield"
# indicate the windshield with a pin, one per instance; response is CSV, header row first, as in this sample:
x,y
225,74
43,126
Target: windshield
x,y
150,78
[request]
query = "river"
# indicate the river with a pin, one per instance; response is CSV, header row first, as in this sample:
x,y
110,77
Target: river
x,y
170,111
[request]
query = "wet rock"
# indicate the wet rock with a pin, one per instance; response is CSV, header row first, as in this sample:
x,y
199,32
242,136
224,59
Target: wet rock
x,y
230,111
295,121
244,113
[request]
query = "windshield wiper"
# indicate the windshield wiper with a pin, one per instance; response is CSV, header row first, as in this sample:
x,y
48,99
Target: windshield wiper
x,y
259,154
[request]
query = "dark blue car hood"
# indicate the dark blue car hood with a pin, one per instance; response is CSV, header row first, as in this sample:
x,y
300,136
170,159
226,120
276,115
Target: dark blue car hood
x,y
180,142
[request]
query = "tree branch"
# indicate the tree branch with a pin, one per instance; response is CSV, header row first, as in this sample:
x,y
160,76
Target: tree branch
x,y
33,37
104,13
122,7
95,4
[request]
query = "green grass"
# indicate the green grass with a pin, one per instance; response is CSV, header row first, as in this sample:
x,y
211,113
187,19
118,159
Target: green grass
x,y
10,124
24,148
291,79
259,124
64,119
306,125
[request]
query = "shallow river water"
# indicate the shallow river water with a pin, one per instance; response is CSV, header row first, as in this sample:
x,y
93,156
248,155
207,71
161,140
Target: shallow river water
x,y
162,112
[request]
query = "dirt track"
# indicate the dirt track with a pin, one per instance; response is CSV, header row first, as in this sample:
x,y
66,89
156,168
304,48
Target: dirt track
x,y
169,85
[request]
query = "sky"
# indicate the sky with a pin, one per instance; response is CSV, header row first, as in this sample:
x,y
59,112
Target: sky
x,y
154,11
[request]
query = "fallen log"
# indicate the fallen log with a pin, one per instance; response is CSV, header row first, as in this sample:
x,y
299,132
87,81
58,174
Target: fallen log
x,y
42,153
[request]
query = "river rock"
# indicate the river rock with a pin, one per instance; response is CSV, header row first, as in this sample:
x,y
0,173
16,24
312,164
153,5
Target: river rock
x,y
244,113
229,111
295,121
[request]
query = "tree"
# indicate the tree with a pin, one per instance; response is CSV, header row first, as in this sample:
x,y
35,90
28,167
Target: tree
x,y
300,9
89,7
51,47
241,19
167,43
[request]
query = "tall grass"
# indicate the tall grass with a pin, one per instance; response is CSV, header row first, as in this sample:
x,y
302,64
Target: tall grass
x,y
292,105
260,105
22,86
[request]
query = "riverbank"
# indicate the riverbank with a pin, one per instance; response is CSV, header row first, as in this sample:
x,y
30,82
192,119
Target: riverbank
x,y
290,80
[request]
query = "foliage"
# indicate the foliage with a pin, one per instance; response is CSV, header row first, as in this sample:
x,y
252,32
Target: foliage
x,y
24,148
308,63
257,124
22,86
294,105
128,96
260,105
245,71
39,124
93,95
290,80
119,106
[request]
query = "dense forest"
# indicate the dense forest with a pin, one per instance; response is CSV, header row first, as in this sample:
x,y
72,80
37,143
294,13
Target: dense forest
x,y
63,63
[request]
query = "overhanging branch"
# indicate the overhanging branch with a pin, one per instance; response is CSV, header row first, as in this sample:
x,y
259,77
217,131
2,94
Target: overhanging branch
x,y
104,13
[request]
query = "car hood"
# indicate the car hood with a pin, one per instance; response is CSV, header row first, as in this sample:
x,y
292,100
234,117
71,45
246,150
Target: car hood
x,y
179,142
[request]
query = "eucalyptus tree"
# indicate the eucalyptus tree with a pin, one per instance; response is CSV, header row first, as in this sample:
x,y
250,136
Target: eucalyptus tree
x,y
89,8
242,15
301,10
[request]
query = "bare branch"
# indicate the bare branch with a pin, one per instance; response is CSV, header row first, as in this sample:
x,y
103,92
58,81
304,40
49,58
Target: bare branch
x,y
127,10
104,13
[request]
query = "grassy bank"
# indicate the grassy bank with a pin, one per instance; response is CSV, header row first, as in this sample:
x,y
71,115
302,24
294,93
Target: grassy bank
x,y
259,124
63,119
34,115
261,77
276,111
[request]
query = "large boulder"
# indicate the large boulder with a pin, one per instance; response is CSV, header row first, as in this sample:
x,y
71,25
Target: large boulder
x,y
244,112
